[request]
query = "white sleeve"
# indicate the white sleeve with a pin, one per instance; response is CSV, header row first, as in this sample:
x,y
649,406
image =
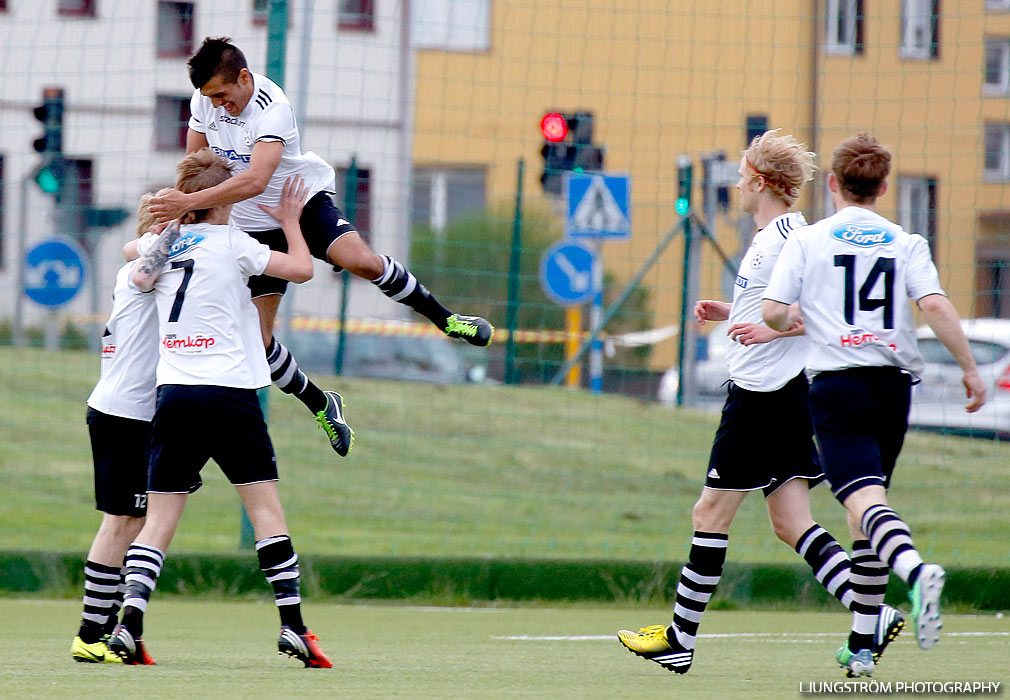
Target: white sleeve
x,y
787,277
145,244
276,124
921,279
251,255
197,118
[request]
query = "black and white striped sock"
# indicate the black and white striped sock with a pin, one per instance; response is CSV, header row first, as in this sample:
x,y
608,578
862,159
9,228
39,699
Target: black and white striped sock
x,y
103,596
398,284
869,584
828,561
279,564
698,580
284,372
891,540
143,566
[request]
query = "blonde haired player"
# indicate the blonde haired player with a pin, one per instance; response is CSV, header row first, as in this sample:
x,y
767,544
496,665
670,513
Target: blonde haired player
x,y
767,400
120,409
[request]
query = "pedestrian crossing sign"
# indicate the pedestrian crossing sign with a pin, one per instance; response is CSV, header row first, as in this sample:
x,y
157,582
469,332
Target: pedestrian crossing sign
x,y
598,205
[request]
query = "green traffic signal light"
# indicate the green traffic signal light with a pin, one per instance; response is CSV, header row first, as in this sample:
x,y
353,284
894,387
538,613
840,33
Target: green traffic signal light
x,y
48,179
683,206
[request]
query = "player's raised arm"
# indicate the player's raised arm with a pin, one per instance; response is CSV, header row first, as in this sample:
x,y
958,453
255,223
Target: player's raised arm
x,y
266,155
296,264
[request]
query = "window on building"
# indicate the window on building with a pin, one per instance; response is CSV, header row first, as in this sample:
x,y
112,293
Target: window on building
x,y
845,27
920,29
997,4
997,66
440,195
917,207
171,122
175,29
3,210
453,25
3,5
356,14
362,215
754,125
997,151
260,10
75,8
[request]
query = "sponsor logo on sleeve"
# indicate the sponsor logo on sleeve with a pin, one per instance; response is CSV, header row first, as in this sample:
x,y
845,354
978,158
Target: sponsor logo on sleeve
x,y
862,235
741,282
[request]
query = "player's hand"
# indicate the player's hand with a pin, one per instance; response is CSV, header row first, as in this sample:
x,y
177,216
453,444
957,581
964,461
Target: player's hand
x,y
751,333
974,389
293,198
710,310
170,205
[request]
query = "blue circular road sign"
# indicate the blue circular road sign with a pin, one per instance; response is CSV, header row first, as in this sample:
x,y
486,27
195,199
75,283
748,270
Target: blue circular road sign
x,y
54,271
566,273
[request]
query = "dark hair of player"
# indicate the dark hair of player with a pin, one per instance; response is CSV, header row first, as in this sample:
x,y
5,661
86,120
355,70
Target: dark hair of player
x,y
217,56
861,165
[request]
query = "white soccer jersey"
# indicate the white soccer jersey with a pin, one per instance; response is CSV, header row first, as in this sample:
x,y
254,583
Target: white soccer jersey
x,y
765,366
126,385
267,117
209,328
851,274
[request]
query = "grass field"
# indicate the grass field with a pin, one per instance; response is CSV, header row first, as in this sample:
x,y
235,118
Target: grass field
x,y
473,470
226,650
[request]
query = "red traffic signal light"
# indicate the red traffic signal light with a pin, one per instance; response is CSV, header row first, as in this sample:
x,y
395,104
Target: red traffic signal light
x,y
554,127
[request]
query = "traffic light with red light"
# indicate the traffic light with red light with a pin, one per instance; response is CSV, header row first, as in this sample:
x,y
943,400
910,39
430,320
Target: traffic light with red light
x,y
568,147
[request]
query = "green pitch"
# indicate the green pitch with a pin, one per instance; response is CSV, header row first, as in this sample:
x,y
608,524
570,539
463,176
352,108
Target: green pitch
x,y
226,650
473,470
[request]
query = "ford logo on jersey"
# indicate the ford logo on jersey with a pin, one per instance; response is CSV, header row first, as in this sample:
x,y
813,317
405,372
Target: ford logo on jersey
x,y
863,235
185,242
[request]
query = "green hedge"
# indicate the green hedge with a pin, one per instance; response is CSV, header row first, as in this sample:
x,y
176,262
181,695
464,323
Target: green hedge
x,y
463,580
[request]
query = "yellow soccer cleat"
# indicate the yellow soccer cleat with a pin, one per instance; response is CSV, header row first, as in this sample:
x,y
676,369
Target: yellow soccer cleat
x,y
94,653
652,643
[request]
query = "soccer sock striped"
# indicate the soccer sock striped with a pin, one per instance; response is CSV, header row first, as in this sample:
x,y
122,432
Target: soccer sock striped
x,y
279,564
698,580
398,284
829,562
891,540
285,374
102,597
869,584
143,566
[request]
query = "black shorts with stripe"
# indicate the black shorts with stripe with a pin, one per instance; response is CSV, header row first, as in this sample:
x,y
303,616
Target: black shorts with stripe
x,y
119,447
860,417
193,424
321,223
764,439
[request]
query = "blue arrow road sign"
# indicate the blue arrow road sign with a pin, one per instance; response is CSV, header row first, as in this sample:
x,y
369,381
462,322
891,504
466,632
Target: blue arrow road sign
x,y
597,205
54,271
566,273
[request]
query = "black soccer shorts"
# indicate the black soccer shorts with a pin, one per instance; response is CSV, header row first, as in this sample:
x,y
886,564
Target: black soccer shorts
x,y
321,222
860,416
119,448
764,439
195,423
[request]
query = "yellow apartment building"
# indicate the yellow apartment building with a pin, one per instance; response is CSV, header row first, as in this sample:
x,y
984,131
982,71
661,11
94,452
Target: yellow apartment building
x,y
931,79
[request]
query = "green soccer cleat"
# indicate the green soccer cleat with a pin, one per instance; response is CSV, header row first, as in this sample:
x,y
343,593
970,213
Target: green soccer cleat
x,y
302,647
890,622
925,597
331,420
473,329
855,664
94,653
654,643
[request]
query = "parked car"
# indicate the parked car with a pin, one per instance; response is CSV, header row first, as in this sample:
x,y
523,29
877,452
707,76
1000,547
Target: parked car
x,y
938,400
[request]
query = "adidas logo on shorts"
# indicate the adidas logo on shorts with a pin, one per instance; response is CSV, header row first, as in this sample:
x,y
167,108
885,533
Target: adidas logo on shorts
x,y
713,474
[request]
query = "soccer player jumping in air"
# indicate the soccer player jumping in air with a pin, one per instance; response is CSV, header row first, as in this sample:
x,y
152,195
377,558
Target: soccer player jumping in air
x,y
246,119
851,274
211,363
767,401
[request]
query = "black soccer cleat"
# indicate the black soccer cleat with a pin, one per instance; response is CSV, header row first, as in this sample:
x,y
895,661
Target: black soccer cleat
x,y
130,650
890,622
473,329
331,420
302,647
